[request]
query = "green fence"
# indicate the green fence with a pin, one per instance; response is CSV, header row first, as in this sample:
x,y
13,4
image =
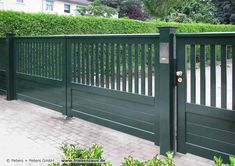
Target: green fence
x,y
206,102
176,90
3,66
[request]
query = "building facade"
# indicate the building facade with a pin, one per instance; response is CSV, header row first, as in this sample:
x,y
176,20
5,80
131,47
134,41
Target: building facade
x,y
62,7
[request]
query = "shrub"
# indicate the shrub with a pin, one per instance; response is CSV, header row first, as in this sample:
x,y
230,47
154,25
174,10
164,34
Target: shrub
x,y
72,152
219,161
95,152
49,24
156,161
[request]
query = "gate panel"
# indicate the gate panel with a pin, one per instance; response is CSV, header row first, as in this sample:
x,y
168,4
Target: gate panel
x,y
206,116
3,62
40,68
112,82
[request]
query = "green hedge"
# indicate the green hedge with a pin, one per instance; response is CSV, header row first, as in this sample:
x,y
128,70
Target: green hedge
x,y
50,24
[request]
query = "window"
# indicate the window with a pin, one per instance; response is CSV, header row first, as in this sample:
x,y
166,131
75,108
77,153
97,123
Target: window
x,y
49,5
20,1
66,8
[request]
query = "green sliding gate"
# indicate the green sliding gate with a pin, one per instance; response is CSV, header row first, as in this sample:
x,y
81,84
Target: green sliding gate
x,y
206,95
107,79
111,81
3,66
40,71
176,90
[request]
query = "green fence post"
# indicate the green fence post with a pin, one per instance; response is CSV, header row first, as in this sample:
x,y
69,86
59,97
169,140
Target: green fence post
x,y
166,88
11,69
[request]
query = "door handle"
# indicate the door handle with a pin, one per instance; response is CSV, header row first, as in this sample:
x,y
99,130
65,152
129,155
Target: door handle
x,y
179,75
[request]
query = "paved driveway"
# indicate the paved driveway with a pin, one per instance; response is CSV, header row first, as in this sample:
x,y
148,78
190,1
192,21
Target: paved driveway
x,y
28,131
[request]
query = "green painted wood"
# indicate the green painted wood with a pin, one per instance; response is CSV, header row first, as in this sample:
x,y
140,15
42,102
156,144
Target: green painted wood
x,y
202,75
210,143
112,67
156,63
182,96
150,70
113,125
118,67
124,74
10,67
74,61
87,55
204,132
107,63
149,100
223,76
117,108
211,112
206,152
102,65
130,68
92,64
97,80
3,62
143,62
67,73
213,75
165,93
136,69
211,133
78,64
233,77
193,74
83,62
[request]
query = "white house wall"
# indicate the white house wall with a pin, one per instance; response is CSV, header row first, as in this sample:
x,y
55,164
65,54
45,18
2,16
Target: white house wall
x,y
33,6
26,6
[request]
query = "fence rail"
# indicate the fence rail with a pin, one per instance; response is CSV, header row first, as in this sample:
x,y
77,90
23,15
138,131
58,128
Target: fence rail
x,y
129,83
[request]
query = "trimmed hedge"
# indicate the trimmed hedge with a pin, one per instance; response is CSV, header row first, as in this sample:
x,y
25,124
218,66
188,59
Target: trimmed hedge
x,y
50,24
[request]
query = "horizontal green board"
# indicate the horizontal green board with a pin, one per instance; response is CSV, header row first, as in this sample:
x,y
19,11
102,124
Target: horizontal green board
x,y
206,40
213,133
44,94
42,103
146,100
119,108
2,80
106,107
210,131
206,152
211,120
210,143
112,109
114,125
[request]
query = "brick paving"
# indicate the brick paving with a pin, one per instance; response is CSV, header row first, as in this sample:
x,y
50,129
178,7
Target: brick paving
x,y
28,131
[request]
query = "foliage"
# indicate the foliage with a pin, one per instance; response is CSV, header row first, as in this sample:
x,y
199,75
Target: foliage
x,y
136,13
128,8
226,10
178,17
161,8
72,152
219,161
41,24
50,24
195,11
95,152
96,9
156,161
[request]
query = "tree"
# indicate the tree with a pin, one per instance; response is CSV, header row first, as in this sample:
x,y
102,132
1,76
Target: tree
x,y
194,11
161,8
226,11
136,13
125,7
96,8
